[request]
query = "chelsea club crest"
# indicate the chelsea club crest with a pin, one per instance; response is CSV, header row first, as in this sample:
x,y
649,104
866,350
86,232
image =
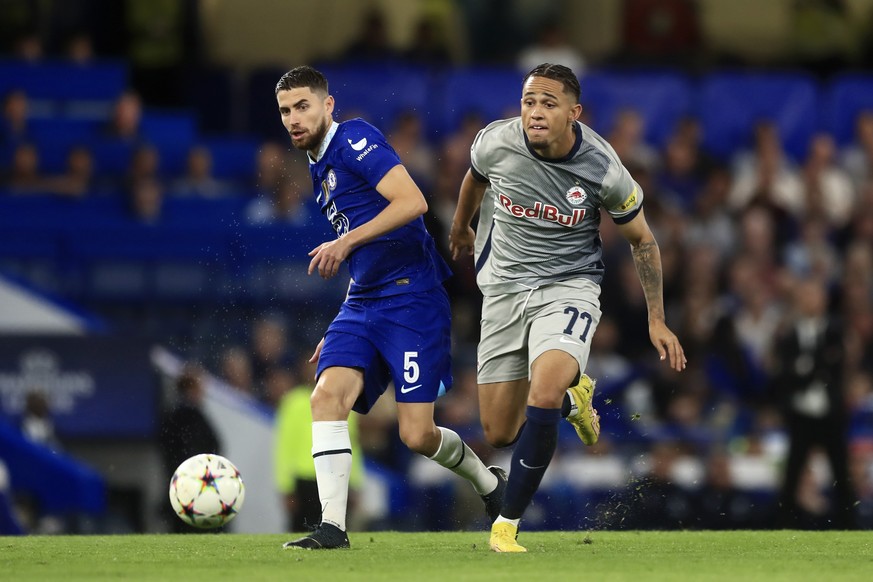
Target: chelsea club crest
x,y
331,180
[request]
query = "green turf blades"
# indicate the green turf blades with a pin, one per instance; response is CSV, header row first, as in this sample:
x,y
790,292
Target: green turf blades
x,y
749,556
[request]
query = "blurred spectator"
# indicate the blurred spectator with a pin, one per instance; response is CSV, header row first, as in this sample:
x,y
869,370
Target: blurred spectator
x,y
293,466
627,139
269,350
29,47
80,48
828,189
812,254
710,222
198,180
279,381
408,139
236,369
455,150
766,176
678,174
857,158
144,165
78,179
808,381
756,321
723,506
551,46
287,204
372,42
655,501
760,241
185,430
270,166
15,112
146,200
429,47
24,176
37,423
126,116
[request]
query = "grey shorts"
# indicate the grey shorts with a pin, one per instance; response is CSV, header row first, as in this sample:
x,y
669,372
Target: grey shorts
x,y
518,327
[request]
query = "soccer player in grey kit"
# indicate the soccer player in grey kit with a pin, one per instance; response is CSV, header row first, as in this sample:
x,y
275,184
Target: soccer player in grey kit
x,y
538,182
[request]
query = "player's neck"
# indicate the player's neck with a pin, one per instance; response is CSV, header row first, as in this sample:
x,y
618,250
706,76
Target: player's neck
x,y
561,147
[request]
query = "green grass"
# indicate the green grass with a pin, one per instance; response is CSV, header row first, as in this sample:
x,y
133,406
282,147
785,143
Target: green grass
x,y
448,557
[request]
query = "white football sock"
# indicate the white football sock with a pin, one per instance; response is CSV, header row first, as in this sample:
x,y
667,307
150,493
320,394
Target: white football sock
x,y
455,455
501,519
332,455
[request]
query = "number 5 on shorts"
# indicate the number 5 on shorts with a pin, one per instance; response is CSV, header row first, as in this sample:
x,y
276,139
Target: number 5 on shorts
x,y
410,367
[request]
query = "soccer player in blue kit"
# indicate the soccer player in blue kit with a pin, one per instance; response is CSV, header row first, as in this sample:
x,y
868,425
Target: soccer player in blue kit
x,y
395,322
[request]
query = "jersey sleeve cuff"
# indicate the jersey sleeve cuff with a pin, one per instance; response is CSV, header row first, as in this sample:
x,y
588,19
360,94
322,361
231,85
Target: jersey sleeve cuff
x,y
625,218
477,176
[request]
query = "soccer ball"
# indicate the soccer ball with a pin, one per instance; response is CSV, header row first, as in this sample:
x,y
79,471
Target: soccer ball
x,y
207,491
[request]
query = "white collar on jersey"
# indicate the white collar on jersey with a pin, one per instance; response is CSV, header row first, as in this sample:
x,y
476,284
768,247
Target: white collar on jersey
x,y
324,143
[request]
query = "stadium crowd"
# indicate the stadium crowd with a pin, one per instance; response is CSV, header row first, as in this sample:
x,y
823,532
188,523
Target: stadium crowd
x,y
746,240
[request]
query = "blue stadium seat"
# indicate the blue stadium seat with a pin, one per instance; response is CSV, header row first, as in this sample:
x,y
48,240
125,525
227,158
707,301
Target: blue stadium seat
x,y
661,98
133,261
270,264
492,93
378,93
232,157
54,137
172,133
64,81
845,97
112,156
732,103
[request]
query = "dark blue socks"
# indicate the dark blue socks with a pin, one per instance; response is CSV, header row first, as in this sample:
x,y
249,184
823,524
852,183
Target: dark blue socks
x,y
531,457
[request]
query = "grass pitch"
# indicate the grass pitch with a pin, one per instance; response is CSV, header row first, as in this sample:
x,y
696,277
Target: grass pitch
x,y
447,557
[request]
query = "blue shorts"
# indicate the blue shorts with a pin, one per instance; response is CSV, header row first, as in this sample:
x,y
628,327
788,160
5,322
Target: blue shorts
x,y
401,338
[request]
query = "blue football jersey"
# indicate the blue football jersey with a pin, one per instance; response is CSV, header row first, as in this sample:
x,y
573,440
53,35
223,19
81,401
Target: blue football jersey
x,y
353,161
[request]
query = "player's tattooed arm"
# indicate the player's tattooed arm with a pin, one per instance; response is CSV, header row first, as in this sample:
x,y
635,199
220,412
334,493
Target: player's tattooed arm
x,y
647,259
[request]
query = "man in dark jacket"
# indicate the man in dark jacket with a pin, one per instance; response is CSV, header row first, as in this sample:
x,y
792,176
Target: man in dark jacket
x,y
808,380
185,431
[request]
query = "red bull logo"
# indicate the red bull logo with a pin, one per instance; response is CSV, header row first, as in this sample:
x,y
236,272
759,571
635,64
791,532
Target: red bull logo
x,y
542,211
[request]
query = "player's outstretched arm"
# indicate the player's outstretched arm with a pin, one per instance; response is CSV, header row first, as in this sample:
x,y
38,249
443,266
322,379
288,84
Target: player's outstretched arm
x,y
405,204
461,236
647,259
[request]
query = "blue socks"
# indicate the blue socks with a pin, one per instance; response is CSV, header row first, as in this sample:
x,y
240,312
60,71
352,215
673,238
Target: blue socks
x,y
531,457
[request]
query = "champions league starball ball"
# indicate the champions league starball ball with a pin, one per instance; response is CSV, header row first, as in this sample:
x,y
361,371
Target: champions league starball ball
x,y
207,491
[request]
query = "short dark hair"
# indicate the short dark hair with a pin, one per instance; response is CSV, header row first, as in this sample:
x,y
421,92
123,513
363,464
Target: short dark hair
x,y
303,76
557,73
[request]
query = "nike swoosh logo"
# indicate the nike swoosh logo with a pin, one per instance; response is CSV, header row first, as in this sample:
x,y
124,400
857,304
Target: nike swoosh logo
x,y
526,466
358,145
405,390
565,340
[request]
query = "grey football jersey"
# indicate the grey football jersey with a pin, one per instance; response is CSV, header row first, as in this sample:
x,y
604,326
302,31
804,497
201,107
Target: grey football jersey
x,y
540,219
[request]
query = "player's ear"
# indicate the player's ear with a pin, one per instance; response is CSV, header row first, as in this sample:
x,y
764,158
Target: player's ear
x,y
328,104
575,112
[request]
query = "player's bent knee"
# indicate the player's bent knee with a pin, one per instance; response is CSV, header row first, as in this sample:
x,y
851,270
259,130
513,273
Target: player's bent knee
x,y
423,442
329,404
499,436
